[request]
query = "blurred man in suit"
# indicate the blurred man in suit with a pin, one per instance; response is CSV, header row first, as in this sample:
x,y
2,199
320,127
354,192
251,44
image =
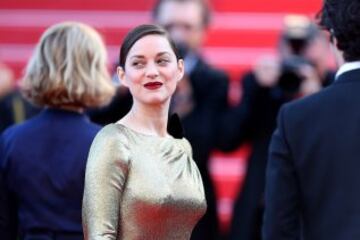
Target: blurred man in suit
x,y
201,96
312,175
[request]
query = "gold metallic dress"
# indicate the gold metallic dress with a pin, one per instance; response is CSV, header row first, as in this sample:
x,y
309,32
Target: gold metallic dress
x,y
139,186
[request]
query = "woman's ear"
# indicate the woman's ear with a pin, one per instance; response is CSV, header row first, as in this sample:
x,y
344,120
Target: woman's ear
x,y
121,75
181,69
338,54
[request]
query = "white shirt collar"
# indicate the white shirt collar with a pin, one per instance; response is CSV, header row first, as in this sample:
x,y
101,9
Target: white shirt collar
x,y
346,67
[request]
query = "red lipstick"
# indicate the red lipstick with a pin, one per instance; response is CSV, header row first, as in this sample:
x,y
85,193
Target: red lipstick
x,y
153,85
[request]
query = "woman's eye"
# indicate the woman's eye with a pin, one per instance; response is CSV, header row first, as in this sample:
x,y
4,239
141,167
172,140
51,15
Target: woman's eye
x,y
137,64
162,61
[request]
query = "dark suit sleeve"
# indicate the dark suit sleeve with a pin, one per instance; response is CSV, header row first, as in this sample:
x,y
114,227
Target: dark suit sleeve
x,y
245,121
8,212
202,128
281,219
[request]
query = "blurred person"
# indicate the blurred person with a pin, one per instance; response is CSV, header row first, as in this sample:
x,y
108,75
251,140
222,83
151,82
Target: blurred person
x,y
301,42
312,173
42,161
141,181
13,107
273,81
303,38
201,97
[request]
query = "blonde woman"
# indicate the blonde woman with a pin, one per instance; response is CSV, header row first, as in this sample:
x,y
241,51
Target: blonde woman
x,y
141,181
42,161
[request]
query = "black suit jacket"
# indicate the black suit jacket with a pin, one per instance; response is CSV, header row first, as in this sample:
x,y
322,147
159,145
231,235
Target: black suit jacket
x,y
201,126
202,129
313,173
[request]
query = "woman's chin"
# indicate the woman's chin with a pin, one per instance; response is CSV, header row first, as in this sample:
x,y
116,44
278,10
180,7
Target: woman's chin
x,y
156,100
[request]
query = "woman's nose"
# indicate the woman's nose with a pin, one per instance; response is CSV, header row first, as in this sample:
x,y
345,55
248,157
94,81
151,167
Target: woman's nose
x,y
152,70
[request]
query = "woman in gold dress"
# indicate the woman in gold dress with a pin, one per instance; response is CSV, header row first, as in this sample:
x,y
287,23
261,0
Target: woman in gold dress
x,y
141,182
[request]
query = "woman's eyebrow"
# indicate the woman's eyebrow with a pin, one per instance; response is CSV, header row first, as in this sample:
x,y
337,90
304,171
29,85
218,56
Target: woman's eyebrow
x,y
137,56
163,53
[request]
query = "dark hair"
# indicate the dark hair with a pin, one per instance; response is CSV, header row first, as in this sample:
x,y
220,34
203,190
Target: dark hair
x,y
342,19
139,32
203,3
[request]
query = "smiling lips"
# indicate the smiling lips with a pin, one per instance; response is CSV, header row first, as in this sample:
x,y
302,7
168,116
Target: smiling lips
x,y
153,85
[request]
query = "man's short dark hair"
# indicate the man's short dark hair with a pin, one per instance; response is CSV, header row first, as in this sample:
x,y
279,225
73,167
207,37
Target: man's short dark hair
x,y
203,3
342,19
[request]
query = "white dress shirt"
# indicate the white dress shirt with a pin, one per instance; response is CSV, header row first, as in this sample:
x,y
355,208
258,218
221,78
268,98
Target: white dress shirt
x,y
346,67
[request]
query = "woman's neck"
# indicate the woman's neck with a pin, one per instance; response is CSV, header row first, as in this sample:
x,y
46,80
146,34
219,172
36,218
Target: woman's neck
x,y
148,119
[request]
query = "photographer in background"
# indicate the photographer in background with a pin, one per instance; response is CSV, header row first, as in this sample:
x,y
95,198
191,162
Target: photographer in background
x,y
303,43
300,70
303,65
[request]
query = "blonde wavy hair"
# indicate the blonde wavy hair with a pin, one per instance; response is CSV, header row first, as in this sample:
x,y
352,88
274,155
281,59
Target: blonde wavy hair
x,y
68,69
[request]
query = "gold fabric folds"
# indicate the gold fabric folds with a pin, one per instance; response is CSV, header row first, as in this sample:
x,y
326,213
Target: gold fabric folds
x,y
139,186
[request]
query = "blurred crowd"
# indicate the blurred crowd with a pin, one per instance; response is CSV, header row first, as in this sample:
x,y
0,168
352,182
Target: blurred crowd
x,y
300,68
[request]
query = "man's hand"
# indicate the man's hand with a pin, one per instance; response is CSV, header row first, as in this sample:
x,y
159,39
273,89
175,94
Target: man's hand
x,y
267,71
